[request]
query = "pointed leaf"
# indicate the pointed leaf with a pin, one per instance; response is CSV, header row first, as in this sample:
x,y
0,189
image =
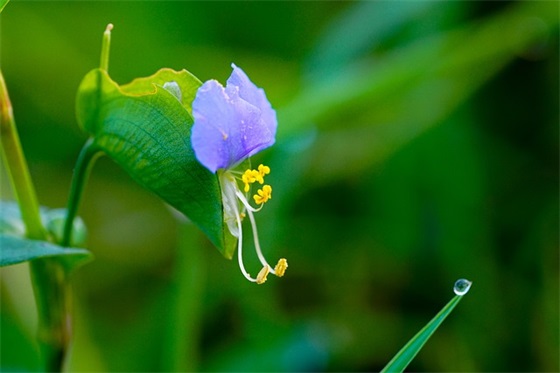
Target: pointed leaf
x,y
401,360
14,250
145,126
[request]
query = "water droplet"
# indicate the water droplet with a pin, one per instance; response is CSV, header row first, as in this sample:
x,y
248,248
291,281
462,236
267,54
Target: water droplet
x,y
462,286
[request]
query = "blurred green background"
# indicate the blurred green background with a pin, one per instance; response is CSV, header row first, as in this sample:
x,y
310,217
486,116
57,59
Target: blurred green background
x,y
417,144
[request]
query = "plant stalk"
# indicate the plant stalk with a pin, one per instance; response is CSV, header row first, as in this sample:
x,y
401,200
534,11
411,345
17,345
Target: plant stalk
x,y
50,285
54,302
87,156
90,152
17,168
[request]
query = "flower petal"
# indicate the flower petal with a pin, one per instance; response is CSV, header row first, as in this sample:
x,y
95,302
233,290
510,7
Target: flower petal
x,y
217,138
231,124
248,91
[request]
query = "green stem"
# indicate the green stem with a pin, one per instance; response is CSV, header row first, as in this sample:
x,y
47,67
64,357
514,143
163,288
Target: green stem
x,y
53,297
17,168
87,156
52,293
90,152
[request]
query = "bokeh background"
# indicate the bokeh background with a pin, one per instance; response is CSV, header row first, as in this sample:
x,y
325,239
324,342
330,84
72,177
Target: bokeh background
x,y
417,144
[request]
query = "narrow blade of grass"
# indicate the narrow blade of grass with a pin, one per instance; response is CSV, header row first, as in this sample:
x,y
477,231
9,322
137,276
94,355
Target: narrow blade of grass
x,y
409,351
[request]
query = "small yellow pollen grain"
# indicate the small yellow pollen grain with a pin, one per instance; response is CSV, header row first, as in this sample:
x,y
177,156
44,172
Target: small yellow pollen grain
x,y
261,277
281,267
258,177
242,215
263,195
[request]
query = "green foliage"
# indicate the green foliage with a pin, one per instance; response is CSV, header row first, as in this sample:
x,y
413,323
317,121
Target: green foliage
x,y
414,146
53,219
18,250
145,128
3,4
401,360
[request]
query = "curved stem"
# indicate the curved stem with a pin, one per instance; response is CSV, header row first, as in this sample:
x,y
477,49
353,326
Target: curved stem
x,y
90,152
50,280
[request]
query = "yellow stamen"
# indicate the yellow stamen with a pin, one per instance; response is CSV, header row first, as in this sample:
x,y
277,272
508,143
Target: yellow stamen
x,y
280,268
258,176
261,277
250,176
263,195
263,170
237,207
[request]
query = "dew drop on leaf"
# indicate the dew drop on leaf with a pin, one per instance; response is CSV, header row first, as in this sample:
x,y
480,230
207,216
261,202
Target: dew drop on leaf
x,y
462,286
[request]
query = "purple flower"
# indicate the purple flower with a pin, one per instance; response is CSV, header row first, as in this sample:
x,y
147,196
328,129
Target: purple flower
x,y
231,123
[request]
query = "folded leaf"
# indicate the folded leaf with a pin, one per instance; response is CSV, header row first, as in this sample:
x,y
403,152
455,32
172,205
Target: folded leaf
x,y
145,127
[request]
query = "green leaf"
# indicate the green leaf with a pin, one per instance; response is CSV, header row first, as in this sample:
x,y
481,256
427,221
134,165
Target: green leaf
x,y
187,83
409,351
3,4
146,129
16,250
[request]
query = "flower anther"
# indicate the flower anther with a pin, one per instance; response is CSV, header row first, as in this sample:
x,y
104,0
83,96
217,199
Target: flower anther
x,y
263,273
281,267
263,195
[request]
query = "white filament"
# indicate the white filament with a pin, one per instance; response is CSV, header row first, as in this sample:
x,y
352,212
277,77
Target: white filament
x,y
250,211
